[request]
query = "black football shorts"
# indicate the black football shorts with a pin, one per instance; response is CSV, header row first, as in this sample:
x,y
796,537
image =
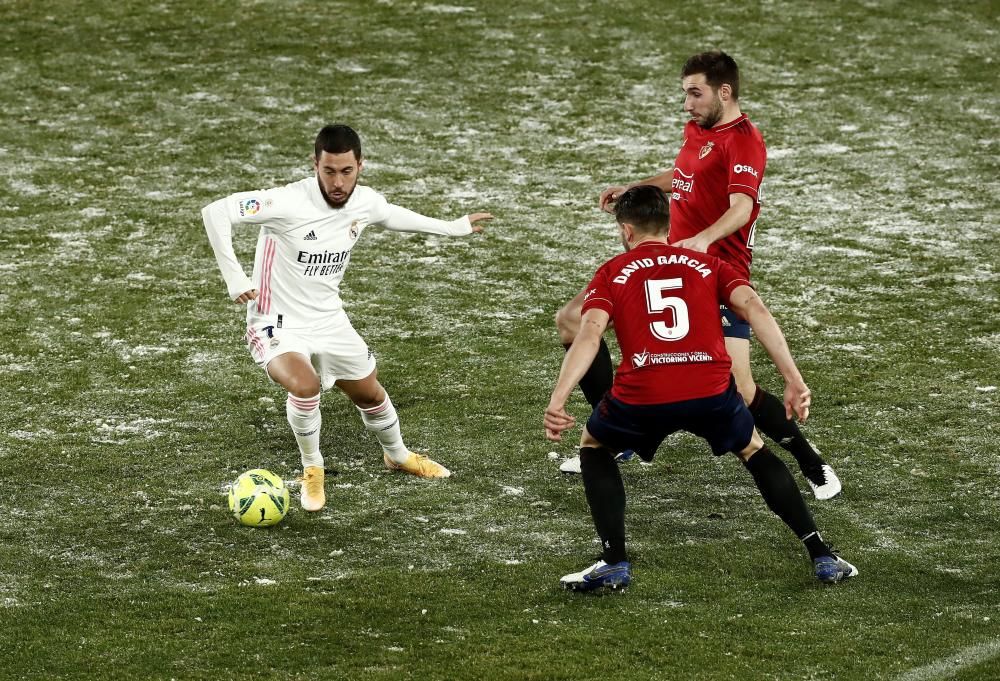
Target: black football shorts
x,y
722,420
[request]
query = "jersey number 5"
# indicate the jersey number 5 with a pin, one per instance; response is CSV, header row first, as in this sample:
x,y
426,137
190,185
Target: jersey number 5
x,y
657,303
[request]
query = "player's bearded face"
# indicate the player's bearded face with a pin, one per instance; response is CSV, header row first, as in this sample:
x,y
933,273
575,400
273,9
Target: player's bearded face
x,y
712,114
337,175
701,101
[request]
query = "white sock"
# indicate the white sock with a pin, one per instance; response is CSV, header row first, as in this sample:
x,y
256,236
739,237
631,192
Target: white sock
x,y
384,423
305,419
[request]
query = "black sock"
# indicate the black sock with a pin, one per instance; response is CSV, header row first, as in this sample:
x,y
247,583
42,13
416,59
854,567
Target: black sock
x,y
769,415
605,492
783,497
816,546
599,376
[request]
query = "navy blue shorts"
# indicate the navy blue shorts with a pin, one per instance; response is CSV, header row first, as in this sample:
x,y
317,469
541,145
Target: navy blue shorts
x,y
733,325
722,420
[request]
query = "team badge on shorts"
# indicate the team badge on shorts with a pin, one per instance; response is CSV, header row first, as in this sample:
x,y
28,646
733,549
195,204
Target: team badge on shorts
x,y
274,342
706,150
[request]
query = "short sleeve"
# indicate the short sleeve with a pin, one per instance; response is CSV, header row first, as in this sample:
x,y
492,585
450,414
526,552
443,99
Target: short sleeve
x,y
728,279
598,295
747,158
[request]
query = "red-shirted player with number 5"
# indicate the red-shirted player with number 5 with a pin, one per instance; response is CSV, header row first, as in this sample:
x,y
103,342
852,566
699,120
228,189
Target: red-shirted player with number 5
x,y
675,374
714,190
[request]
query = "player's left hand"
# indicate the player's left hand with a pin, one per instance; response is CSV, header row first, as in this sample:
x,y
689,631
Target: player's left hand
x,y
477,217
556,421
694,243
798,398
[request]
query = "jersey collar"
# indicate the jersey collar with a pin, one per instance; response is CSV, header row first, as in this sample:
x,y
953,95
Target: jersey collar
x,y
731,124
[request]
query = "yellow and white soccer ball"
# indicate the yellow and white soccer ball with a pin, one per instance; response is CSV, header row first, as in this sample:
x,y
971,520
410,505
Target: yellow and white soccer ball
x,y
258,498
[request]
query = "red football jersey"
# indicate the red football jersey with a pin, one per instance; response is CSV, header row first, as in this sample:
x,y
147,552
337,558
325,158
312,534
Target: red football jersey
x,y
664,304
711,165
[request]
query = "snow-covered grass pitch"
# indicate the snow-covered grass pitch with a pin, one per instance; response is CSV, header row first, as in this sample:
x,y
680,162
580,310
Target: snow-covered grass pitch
x,y
129,401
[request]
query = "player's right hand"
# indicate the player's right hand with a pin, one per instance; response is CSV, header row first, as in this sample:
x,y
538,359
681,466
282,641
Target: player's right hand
x,y
609,196
246,297
798,399
556,421
476,217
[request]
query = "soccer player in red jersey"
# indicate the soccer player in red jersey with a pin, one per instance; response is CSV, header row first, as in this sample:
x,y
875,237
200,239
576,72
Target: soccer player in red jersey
x,y
714,189
675,374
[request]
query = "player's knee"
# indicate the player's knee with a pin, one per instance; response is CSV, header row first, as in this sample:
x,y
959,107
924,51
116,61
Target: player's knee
x,y
754,446
366,395
303,386
365,402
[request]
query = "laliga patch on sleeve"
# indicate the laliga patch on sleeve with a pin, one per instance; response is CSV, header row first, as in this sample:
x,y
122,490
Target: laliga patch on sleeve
x,y
249,207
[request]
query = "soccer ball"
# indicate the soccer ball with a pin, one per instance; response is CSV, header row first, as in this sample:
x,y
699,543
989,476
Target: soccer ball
x,y
258,498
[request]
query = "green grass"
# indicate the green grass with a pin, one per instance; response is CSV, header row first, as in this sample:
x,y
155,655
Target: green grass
x,y
130,403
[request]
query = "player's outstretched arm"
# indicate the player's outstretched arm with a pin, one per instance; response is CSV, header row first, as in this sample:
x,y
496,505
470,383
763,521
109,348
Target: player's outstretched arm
x,y
220,235
746,303
401,219
579,357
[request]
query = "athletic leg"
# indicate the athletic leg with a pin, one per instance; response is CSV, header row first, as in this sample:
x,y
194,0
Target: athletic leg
x,y
605,491
782,496
769,415
380,418
602,483
377,412
295,374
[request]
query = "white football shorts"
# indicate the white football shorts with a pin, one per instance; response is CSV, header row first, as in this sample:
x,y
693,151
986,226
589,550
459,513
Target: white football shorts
x,y
335,350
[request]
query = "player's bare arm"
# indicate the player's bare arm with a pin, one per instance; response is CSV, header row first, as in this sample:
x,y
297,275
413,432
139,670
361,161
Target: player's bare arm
x,y
575,364
746,303
662,180
740,209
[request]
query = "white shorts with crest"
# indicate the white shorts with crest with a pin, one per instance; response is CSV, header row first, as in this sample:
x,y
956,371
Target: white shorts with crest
x,y
335,349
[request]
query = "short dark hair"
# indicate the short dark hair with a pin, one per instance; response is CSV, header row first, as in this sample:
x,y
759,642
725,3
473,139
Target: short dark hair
x,y
719,69
645,207
338,139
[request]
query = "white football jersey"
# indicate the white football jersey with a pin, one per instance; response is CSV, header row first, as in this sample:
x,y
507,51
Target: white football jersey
x,y
305,245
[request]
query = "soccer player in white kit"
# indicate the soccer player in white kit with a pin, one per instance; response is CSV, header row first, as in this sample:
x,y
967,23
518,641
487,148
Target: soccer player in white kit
x,y
297,330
